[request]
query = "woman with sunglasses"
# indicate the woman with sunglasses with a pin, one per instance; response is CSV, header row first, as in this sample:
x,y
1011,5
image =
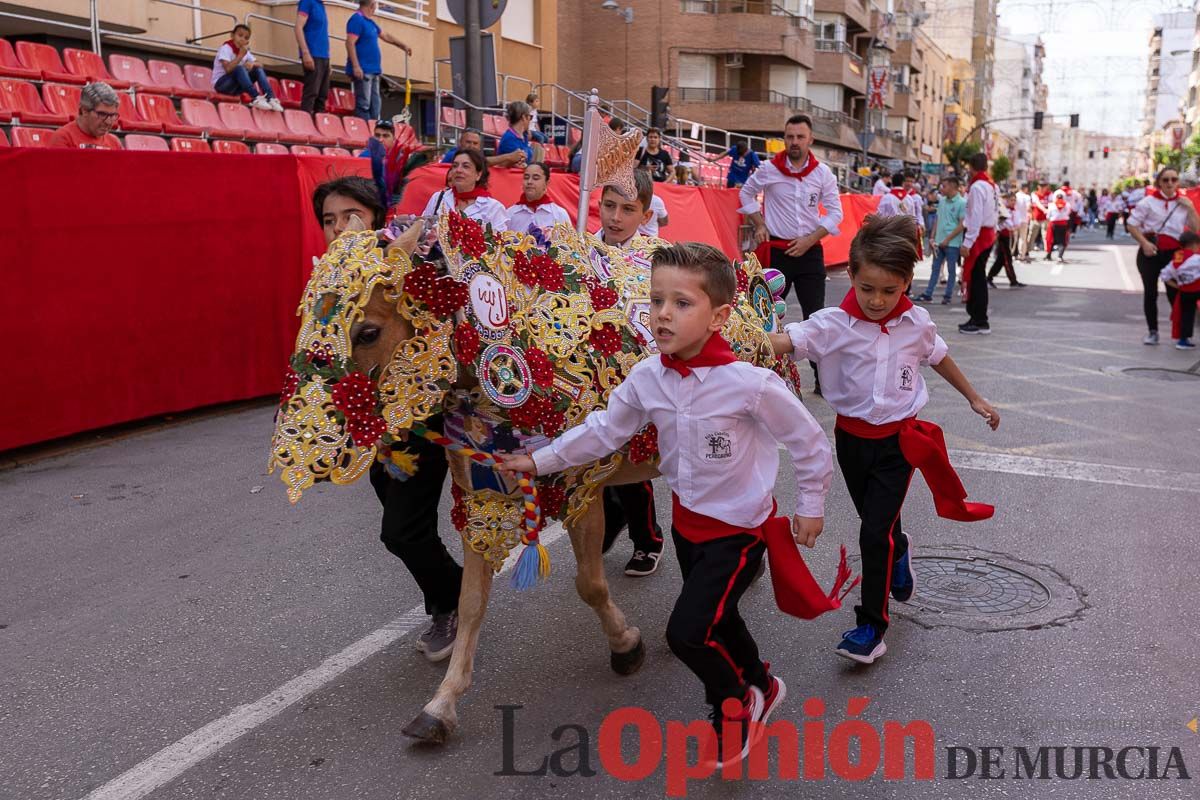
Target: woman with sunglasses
x,y
1157,222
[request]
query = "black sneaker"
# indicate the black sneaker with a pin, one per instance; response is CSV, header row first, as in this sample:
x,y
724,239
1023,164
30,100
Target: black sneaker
x,y
972,329
992,284
437,642
644,562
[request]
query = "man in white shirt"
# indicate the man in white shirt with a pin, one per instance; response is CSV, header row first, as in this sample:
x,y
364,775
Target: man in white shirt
x,y
882,184
800,207
1021,221
980,223
235,71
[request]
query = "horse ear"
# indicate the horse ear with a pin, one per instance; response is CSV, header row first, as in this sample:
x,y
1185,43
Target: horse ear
x,y
356,223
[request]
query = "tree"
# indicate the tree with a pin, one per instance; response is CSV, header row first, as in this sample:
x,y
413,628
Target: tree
x,y
958,152
1168,157
1001,168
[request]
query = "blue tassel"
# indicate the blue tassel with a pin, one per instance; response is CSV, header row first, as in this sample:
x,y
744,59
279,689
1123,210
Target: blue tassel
x,y
532,565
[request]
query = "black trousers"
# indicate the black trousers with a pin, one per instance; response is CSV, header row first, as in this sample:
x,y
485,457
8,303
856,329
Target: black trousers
x,y
807,274
1187,313
1111,223
977,290
316,87
410,525
1004,258
1149,267
1058,237
632,504
705,630
877,476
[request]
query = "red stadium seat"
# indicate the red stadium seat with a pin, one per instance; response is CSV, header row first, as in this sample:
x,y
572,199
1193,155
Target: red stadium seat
x,y
200,79
132,119
10,67
305,150
493,125
357,131
3,138
271,149
341,101
235,116
230,147
45,58
284,97
160,109
340,152
89,66
21,98
357,153
181,144
132,70
30,137
141,141
330,126
62,99
301,125
274,123
168,75
406,136
291,92
202,114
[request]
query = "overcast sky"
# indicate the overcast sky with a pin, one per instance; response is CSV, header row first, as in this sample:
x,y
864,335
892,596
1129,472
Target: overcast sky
x,y
1096,53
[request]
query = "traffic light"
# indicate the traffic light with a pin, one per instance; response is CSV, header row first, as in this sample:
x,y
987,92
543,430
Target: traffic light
x,y
1038,117
1106,151
659,110
1074,120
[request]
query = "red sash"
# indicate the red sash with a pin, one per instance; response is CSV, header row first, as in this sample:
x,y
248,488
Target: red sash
x,y
924,447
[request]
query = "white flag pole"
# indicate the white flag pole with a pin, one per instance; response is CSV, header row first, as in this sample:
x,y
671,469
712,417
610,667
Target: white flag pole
x,y
587,160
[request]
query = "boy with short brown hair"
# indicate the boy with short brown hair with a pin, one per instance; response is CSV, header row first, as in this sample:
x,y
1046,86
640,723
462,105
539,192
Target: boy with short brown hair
x,y
870,350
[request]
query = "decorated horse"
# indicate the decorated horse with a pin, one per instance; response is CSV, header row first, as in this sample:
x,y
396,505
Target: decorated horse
x,y
513,338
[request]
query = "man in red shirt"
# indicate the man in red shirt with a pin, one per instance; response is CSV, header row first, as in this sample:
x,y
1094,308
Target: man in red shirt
x,y
97,116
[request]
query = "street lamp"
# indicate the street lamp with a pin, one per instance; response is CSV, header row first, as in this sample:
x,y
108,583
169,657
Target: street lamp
x,y
626,14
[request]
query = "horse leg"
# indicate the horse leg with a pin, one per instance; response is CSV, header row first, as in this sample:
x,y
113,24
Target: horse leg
x,y
624,640
439,718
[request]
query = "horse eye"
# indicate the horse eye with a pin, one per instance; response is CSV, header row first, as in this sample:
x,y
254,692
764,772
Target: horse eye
x,y
367,336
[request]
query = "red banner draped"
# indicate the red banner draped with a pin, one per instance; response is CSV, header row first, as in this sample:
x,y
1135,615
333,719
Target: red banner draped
x,y
149,283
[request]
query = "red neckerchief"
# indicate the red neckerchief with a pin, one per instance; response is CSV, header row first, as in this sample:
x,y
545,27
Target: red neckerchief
x,y
850,306
532,205
1043,196
1060,202
1151,191
477,192
899,194
981,176
781,163
714,353
233,46
1166,200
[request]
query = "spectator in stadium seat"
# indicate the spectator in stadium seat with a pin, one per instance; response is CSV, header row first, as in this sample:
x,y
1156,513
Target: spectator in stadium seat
x,y
98,111
472,139
365,64
535,128
312,37
236,71
654,158
515,141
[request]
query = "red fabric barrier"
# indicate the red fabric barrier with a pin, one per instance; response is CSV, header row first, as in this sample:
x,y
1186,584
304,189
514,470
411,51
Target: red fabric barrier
x,y
147,283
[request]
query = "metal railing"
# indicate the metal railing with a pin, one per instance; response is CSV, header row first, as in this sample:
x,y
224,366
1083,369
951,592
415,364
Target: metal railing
x,y
687,94
838,46
414,11
901,88
285,23
760,7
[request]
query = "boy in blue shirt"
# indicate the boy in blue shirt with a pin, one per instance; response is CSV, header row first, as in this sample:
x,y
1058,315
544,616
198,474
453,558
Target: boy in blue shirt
x,y
365,64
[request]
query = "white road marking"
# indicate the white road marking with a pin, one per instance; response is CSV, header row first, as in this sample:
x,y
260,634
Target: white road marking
x,y
1122,269
173,760
1057,268
1071,314
1077,471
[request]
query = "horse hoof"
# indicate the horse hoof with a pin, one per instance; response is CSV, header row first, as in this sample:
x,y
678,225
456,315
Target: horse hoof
x,y
630,662
427,728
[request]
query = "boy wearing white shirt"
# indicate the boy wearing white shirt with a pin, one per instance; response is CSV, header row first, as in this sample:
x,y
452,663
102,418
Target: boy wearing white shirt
x,y
236,71
870,350
718,420
658,217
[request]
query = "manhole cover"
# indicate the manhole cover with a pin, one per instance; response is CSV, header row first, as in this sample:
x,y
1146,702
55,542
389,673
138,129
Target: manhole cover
x,y
979,590
1154,373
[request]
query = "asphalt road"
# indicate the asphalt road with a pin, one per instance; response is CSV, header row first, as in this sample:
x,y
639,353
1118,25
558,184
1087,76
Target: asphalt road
x,y
167,620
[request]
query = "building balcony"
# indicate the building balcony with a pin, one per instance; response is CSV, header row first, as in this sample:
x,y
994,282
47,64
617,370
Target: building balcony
x,y
836,62
857,13
737,109
759,27
907,53
905,103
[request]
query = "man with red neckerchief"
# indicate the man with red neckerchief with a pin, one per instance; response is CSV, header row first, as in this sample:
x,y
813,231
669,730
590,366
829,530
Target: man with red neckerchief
x,y
800,207
983,212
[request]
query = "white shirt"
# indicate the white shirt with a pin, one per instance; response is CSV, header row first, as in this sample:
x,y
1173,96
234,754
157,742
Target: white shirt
x,y
481,209
717,430
1104,205
792,205
880,187
1021,209
1076,200
982,211
547,215
1185,273
889,205
226,53
1155,215
866,373
658,213
1136,196
1053,212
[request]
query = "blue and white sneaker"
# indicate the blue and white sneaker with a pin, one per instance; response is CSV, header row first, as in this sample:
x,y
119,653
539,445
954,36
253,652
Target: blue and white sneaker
x,y
904,580
1185,344
862,644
